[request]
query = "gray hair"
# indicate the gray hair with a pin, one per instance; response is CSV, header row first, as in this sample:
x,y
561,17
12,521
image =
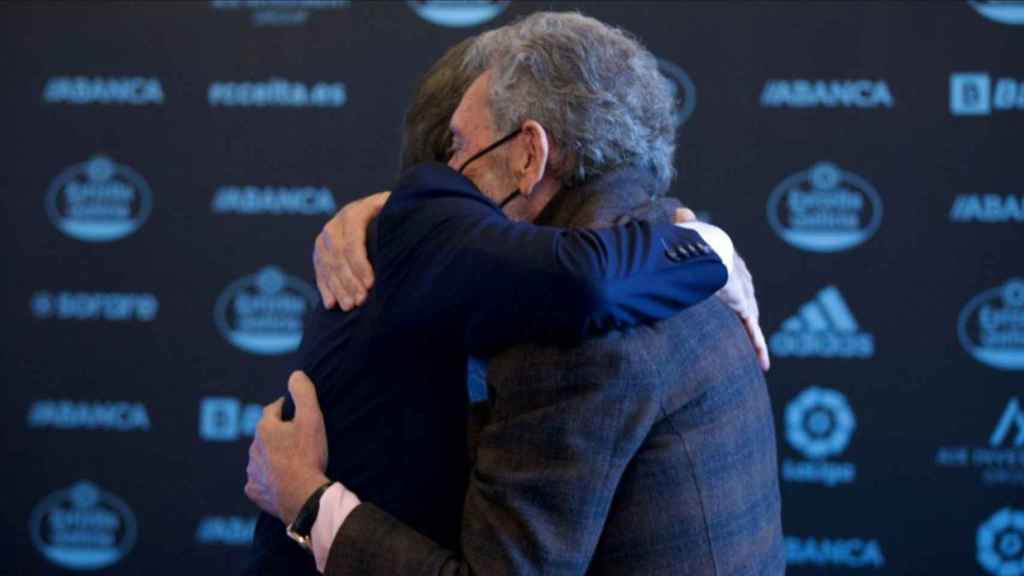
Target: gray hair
x,y
594,88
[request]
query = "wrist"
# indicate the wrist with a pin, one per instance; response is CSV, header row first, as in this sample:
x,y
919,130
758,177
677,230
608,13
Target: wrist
x,y
297,494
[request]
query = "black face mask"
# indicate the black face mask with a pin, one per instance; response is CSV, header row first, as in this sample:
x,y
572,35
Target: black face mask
x,y
515,193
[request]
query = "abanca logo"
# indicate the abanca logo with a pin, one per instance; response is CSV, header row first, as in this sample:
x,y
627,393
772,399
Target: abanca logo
x,y
825,209
83,527
684,91
98,201
263,313
826,94
991,326
83,90
458,13
1001,543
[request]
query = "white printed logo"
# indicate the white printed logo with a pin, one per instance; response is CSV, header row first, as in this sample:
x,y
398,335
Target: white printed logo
x,y
825,209
263,313
277,92
684,91
991,326
824,328
98,200
975,94
1001,462
279,12
72,415
225,419
1003,11
819,424
802,93
1001,543
108,306
253,200
83,527
842,552
226,530
987,208
458,13
1012,417
134,91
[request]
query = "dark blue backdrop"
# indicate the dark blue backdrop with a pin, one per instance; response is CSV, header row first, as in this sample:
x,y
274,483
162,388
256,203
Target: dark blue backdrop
x,y
168,166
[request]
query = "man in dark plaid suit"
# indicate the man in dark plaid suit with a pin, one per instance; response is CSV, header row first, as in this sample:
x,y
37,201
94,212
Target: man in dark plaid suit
x,y
647,451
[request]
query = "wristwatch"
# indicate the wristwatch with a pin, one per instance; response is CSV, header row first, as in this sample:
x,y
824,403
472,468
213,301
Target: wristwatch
x,y
299,530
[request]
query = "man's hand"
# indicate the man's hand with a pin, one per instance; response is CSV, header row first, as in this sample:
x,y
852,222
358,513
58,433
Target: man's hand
x,y
287,459
738,294
343,271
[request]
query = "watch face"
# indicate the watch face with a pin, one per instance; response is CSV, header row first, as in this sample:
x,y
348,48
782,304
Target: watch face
x,y
302,540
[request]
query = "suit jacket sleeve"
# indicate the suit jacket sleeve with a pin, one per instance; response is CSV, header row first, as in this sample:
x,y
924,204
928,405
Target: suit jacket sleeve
x,y
509,282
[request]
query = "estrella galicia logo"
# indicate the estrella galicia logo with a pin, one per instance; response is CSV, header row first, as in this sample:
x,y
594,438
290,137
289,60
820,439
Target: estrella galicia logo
x,y
825,209
819,422
1002,11
1001,543
824,328
684,91
98,200
991,326
458,13
83,527
263,313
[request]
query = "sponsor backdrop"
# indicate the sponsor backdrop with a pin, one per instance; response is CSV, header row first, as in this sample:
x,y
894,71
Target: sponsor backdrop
x,y
169,165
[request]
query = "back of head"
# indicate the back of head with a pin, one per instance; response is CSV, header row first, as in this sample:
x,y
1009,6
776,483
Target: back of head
x,y
595,89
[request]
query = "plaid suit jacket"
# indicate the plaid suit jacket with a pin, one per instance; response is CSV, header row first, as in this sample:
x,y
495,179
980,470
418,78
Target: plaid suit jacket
x,y
646,451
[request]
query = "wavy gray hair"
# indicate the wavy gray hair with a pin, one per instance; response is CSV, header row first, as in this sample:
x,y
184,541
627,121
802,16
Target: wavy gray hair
x,y
595,89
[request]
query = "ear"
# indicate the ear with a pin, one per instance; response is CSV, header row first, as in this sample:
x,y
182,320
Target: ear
x,y
531,164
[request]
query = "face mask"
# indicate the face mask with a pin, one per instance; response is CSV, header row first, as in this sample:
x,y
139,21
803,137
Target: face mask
x,y
515,193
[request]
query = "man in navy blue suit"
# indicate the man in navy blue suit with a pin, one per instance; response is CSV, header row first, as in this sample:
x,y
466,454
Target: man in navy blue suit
x,y
456,276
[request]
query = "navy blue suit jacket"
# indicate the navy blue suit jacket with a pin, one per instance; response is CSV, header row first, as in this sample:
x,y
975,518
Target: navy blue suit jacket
x,y
455,276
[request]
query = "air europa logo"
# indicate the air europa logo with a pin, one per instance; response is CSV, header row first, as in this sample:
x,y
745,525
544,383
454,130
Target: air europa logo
x,y
98,200
263,313
825,209
1001,543
458,13
135,91
991,326
684,91
1003,11
83,527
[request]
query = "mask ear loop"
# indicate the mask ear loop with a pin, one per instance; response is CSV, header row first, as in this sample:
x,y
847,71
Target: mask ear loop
x,y
489,148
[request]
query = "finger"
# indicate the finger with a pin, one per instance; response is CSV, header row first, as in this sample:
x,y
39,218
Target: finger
x,y
358,261
307,408
319,267
332,262
272,411
757,338
684,215
349,285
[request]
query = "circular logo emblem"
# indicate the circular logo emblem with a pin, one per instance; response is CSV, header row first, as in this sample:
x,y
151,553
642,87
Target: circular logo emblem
x,y
83,527
684,91
825,209
1001,543
819,422
1002,11
98,201
991,326
458,13
263,313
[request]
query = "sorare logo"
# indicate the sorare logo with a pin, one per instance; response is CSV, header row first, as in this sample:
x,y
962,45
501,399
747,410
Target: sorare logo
x,y
823,328
1002,11
1001,543
683,90
976,94
991,326
83,527
263,313
825,209
458,13
99,200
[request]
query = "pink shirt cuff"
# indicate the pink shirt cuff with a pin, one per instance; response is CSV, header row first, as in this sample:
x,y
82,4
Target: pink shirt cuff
x,y
336,504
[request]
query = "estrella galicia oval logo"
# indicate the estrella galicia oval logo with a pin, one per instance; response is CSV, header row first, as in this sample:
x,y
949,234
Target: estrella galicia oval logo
x,y
98,200
825,209
83,527
991,326
458,13
819,422
1001,543
263,313
1002,11
684,91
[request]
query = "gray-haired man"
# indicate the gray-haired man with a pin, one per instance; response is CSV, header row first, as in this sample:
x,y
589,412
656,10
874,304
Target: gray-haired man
x,y
646,451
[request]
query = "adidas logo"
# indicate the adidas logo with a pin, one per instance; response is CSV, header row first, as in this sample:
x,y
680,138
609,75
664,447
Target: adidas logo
x,y
824,328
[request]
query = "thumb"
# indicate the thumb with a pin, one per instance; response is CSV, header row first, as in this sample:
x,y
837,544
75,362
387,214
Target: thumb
x,y
307,407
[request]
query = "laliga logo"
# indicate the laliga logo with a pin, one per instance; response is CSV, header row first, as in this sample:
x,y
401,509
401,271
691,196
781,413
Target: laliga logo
x,y
263,313
83,527
98,201
1001,543
1003,11
991,326
819,422
684,91
458,13
825,209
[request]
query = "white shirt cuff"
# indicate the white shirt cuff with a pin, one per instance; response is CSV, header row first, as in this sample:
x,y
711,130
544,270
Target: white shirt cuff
x,y
716,238
336,504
